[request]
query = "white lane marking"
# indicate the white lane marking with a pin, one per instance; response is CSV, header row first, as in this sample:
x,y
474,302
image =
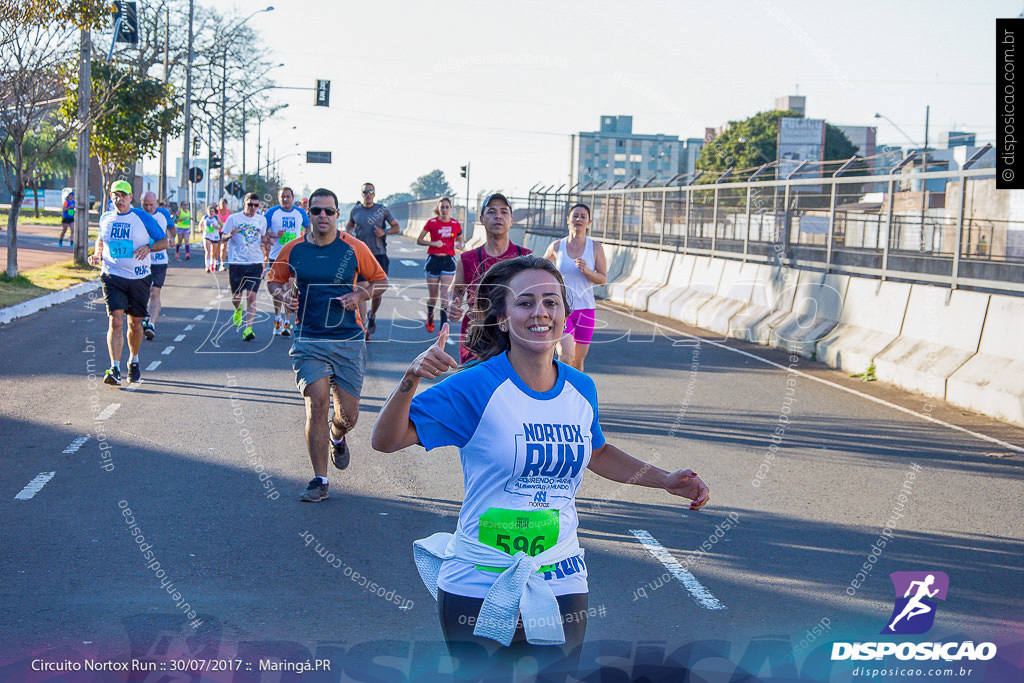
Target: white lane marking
x,y
189,328
35,486
108,411
407,297
134,385
179,338
873,399
167,351
199,317
76,444
408,262
153,366
701,594
207,310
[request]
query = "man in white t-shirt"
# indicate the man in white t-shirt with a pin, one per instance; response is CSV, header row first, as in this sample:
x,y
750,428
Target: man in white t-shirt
x,y
123,245
245,231
158,263
285,222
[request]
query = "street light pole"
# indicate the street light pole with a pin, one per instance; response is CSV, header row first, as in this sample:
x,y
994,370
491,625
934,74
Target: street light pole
x,y
185,158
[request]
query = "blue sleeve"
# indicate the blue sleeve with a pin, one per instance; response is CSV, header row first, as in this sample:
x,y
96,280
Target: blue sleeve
x,y
167,215
156,233
269,215
448,413
305,217
585,385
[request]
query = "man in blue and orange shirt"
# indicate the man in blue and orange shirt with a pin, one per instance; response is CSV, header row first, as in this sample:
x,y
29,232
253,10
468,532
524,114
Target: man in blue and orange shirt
x,y
316,275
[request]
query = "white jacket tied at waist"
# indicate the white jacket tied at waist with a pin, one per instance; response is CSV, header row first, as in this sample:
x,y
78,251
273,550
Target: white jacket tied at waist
x,y
520,588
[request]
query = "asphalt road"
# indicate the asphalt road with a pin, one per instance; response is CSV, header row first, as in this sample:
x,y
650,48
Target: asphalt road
x,y
206,459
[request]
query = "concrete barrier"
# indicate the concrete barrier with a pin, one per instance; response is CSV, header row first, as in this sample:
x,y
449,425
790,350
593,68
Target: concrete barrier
x,y
617,289
771,300
937,338
707,274
732,295
817,305
871,319
991,381
655,274
660,302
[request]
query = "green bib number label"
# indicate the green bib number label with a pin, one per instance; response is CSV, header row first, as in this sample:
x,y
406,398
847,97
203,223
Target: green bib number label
x,y
287,237
511,531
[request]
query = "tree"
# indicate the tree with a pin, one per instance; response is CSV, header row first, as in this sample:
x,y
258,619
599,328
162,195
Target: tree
x,y
37,48
59,163
752,142
431,185
397,198
136,113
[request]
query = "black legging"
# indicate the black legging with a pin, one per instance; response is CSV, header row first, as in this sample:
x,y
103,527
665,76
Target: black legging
x,y
483,659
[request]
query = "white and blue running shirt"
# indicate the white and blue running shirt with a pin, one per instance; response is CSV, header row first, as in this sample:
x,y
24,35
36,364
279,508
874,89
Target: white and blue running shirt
x,y
523,454
284,226
163,219
122,234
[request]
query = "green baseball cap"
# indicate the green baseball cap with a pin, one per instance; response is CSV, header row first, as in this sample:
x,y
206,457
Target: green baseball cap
x,y
121,186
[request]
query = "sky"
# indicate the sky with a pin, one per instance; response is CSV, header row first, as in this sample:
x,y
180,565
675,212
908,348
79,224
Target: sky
x,y
502,85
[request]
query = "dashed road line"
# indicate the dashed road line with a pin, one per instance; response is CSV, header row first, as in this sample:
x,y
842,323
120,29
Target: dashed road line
x,y
35,486
189,328
153,366
701,594
76,444
167,351
179,338
407,262
108,411
199,317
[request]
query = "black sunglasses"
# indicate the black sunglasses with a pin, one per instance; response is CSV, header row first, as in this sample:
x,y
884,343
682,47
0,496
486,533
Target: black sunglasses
x,y
367,191
316,211
254,204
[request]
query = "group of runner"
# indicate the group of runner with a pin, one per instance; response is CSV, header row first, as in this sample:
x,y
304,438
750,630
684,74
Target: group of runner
x,y
526,426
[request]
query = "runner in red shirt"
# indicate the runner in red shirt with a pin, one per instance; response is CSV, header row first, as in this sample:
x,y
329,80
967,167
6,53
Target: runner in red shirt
x,y
442,235
496,217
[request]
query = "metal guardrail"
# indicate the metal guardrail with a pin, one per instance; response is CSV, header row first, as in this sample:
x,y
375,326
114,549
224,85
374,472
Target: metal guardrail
x,y
826,224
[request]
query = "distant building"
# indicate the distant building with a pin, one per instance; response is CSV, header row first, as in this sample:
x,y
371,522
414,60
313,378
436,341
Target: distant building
x,y
862,137
616,153
797,103
955,138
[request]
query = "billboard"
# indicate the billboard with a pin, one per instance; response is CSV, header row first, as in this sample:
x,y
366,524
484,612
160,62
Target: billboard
x,y
801,140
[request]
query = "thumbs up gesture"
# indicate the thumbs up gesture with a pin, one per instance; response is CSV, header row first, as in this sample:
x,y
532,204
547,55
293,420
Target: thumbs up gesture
x,y
435,361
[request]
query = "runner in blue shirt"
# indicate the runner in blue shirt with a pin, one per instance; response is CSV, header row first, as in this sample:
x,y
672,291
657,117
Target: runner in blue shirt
x,y
158,263
67,217
123,248
527,429
285,222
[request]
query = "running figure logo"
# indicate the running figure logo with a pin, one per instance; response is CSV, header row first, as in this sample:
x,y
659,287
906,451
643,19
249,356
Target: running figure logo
x,y
914,612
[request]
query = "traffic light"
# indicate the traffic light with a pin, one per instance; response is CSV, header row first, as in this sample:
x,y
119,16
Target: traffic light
x,y
463,170
196,142
214,161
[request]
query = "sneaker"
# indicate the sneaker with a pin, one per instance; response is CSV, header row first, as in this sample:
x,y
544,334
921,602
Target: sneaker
x,y
187,256
112,377
286,329
430,324
236,318
371,325
339,452
314,492
277,328
248,334
134,373
148,331
221,268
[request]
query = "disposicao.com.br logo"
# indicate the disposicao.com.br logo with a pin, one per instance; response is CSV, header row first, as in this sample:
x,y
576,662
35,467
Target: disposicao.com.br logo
x,y
915,604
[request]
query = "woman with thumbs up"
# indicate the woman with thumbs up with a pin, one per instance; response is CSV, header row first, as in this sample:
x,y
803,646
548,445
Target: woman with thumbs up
x,y
511,582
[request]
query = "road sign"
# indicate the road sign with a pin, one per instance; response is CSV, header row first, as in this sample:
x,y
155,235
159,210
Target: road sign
x,y
318,157
323,94
127,22
195,174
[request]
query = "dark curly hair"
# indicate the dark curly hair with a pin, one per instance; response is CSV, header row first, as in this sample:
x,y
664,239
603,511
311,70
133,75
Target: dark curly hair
x,y
486,339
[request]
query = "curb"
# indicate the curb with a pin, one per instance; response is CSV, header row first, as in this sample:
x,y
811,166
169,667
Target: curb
x,y
34,305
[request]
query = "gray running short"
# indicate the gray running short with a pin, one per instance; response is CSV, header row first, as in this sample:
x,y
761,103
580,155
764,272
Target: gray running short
x,y
343,361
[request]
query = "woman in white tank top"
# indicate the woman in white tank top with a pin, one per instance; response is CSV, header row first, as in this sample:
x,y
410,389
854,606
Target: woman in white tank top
x,y
582,263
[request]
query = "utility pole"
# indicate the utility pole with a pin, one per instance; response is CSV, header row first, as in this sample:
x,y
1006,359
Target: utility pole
x,y
81,252
162,192
186,160
223,114
572,159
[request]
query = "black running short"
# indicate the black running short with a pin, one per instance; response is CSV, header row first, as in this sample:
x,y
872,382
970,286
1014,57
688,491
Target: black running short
x,y
159,274
122,294
384,261
438,265
245,276
480,658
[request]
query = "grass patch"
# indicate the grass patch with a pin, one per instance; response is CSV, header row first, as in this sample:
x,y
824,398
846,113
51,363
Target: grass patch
x,y
40,281
866,376
30,217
